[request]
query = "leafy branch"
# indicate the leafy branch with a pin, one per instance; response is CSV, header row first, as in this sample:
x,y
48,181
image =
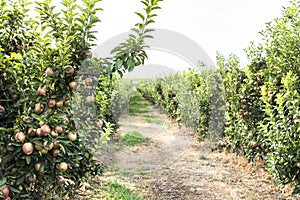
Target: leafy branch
x,y
131,53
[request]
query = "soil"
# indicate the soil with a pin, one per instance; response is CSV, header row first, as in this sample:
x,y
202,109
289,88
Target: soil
x,y
175,165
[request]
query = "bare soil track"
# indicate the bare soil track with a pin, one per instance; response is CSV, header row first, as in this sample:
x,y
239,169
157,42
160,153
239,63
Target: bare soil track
x,y
174,165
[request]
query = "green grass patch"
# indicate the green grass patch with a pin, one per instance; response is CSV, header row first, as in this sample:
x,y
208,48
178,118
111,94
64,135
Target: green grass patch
x,y
153,121
117,191
133,138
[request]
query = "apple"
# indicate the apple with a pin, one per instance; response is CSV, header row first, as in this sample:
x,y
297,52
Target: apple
x,y
59,104
45,130
55,144
7,198
54,134
41,123
61,179
58,129
73,85
88,81
5,192
38,108
69,69
44,151
42,91
19,47
37,147
38,132
49,71
2,109
63,166
56,152
20,136
27,148
31,179
72,136
38,166
32,132
99,123
77,126
48,147
66,103
51,103
15,96
66,121
89,99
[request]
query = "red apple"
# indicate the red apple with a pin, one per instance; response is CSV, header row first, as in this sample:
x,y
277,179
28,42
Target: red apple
x,y
77,126
54,134
88,81
20,136
27,148
69,69
48,147
31,179
89,99
51,103
5,192
32,132
49,71
42,91
55,144
66,103
38,108
15,96
2,109
99,123
38,166
61,179
45,130
59,104
58,129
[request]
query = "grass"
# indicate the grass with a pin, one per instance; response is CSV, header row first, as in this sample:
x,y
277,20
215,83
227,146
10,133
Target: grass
x,y
153,119
117,191
133,138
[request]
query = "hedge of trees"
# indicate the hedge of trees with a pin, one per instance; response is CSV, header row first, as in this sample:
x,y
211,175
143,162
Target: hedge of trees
x,y
261,100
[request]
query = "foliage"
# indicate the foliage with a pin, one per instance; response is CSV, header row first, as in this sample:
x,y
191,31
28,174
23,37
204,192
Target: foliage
x,y
47,95
171,94
121,96
262,116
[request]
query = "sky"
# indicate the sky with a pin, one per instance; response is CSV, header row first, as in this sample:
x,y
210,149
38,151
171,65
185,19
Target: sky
x,y
224,26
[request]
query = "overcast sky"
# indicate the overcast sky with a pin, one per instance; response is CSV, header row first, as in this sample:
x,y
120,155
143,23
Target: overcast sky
x,y
226,26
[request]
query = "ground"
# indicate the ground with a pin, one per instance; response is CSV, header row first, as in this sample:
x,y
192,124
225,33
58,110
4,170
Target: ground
x,y
173,164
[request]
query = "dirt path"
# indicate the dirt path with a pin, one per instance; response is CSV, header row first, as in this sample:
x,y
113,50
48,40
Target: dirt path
x,y
174,165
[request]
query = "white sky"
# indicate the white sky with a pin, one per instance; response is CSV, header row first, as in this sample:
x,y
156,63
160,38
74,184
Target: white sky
x,y
226,26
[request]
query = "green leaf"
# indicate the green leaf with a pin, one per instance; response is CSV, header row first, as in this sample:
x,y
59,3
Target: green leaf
x,y
3,181
14,189
130,64
140,15
20,180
